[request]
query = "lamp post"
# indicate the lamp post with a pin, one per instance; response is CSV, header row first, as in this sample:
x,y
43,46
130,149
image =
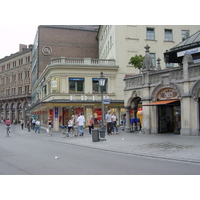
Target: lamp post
x,y
101,85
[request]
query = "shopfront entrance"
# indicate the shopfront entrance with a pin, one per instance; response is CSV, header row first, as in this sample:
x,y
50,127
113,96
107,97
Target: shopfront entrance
x,y
169,119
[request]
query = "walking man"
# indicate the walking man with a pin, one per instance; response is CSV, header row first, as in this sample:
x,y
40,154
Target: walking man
x,y
109,122
81,121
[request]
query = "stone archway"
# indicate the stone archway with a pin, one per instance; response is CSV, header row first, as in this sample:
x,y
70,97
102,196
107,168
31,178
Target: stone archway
x,y
160,87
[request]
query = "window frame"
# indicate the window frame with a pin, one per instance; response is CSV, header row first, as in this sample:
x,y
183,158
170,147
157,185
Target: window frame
x,y
76,82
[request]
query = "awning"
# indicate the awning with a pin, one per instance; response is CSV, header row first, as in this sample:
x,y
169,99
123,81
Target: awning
x,y
157,103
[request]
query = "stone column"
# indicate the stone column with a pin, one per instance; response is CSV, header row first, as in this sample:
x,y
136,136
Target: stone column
x,y
128,129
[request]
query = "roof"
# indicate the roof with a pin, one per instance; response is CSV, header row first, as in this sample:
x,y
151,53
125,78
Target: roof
x,y
192,42
189,42
74,27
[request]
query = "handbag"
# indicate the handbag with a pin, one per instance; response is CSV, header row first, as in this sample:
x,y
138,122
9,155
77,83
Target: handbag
x,y
47,130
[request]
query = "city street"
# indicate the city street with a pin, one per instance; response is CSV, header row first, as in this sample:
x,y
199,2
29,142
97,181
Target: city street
x,y
29,153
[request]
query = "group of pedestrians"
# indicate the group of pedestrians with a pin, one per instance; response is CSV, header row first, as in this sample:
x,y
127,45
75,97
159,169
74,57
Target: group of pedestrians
x,y
111,121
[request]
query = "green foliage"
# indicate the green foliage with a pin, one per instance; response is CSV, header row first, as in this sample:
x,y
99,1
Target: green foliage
x,y
136,61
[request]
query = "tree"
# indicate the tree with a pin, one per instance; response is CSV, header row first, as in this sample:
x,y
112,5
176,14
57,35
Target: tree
x,y
136,61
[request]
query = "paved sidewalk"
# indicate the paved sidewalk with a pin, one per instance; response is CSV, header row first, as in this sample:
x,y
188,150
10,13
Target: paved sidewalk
x,y
167,146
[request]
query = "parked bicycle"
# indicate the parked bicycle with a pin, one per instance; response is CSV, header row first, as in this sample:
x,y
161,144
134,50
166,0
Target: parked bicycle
x,y
64,131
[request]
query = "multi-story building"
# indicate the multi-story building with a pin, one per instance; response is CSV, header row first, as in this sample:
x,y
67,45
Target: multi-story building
x,y
121,42
15,84
65,74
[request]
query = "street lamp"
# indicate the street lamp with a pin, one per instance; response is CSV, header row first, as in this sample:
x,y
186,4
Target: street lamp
x,y
101,85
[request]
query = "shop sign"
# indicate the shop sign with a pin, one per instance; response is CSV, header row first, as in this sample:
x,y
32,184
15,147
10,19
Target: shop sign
x,y
56,112
168,94
189,51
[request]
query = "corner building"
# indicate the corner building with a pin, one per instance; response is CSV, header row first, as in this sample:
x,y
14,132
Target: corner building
x,y
65,73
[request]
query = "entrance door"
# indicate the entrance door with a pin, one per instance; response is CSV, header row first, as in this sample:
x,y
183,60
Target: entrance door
x,y
165,119
169,119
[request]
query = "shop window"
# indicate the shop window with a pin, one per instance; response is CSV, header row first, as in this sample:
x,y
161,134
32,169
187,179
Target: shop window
x,y
96,88
76,85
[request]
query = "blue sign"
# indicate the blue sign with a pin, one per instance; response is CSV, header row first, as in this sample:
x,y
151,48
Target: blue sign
x,y
56,112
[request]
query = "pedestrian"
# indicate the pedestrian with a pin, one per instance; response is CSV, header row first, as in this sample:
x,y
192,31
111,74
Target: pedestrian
x,y
71,125
114,123
49,126
37,126
22,123
91,124
33,124
123,121
109,122
29,125
81,121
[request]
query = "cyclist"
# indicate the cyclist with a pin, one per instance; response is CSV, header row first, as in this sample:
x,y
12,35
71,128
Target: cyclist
x,y
8,126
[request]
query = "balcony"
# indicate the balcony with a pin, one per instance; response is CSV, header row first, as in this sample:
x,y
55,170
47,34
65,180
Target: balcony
x,y
81,61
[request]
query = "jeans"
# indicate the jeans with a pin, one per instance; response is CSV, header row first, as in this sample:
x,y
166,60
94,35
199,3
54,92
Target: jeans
x,y
124,123
37,128
80,129
114,126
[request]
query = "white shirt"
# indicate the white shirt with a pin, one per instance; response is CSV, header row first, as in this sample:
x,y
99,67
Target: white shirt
x,y
108,118
81,120
114,118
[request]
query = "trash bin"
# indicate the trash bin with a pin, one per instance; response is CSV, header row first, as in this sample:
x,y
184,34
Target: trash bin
x,y
95,135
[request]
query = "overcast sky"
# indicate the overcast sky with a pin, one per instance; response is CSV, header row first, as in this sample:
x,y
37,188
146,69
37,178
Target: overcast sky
x,y
19,22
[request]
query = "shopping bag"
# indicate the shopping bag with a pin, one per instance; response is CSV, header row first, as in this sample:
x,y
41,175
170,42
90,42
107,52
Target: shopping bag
x,y
47,130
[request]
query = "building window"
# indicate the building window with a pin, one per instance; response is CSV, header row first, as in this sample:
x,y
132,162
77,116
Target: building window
x,y
153,57
168,35
26,89
150,34
14,64
96,88
3,68
13,91
8,66
19,90
13,78
7,92
20,76
26,74
76,85
185,34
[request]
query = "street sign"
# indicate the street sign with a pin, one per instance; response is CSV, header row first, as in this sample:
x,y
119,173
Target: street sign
x,y
106,102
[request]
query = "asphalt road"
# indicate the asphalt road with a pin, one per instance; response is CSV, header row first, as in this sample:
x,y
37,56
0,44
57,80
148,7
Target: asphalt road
x,y
25,155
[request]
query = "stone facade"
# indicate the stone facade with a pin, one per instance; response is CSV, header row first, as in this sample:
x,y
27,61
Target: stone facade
x,y
181,84
15,84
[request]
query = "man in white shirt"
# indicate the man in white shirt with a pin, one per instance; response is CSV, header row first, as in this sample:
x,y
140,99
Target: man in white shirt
x,y
109,122
81,121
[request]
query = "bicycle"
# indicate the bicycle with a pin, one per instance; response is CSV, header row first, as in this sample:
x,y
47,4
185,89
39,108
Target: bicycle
x,y
8,127
64,132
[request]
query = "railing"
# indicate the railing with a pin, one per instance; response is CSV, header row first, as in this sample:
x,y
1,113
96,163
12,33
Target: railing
x,y
81,61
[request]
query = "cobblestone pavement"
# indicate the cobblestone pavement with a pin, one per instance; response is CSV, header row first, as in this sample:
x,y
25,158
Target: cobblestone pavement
x,y
166,146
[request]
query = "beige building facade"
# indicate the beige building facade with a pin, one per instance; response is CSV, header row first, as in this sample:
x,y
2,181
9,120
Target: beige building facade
x,y
69,86
167,100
